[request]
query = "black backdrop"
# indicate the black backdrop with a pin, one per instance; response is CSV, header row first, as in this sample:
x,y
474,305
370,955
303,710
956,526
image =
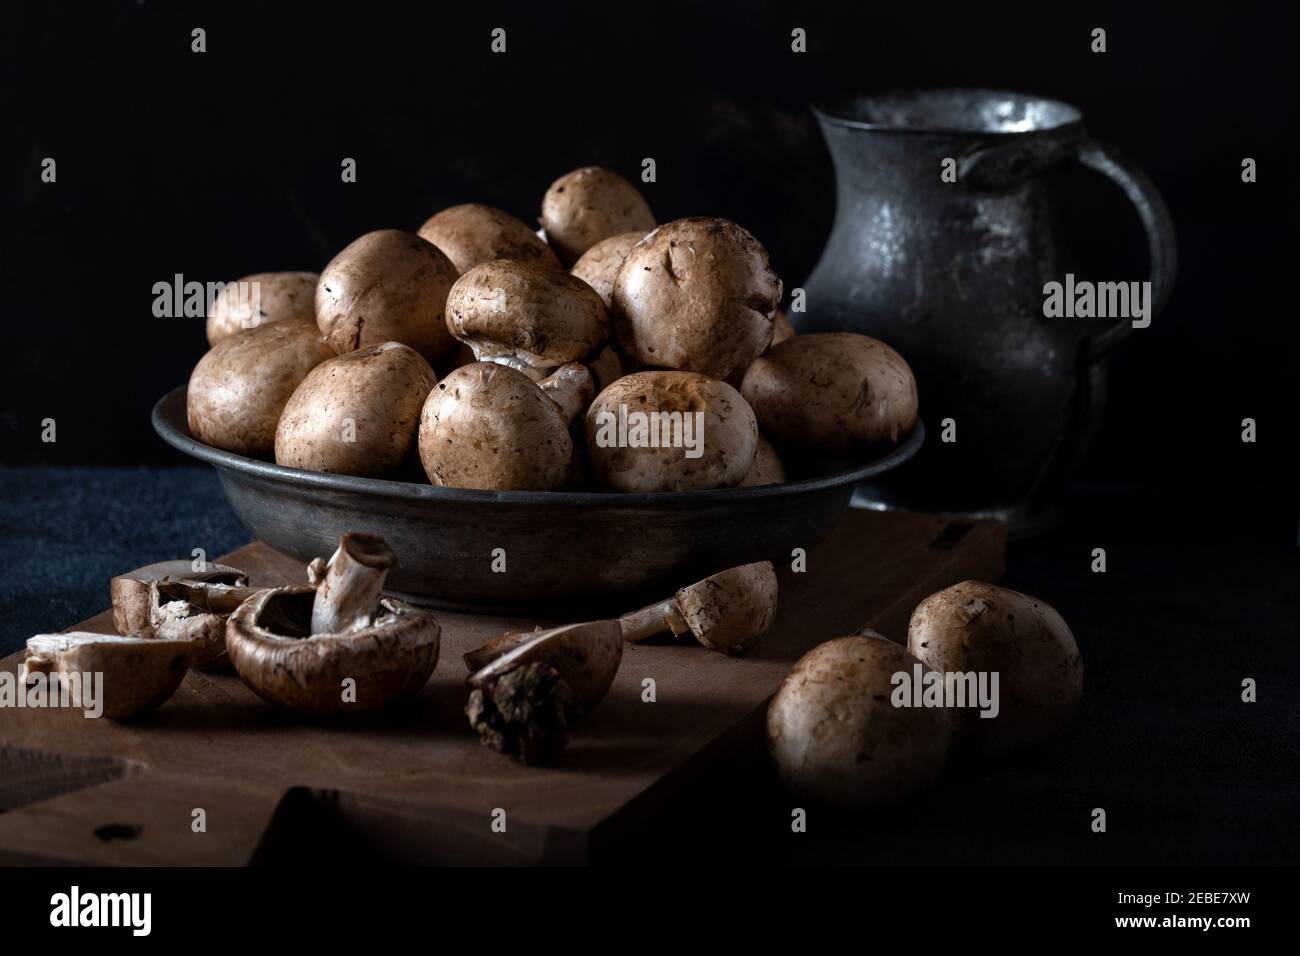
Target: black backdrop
x,y
219,164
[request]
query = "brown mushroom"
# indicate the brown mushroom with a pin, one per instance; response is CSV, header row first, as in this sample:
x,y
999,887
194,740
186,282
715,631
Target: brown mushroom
x,y
781,328
599,264
767,468
357,413
139,673
196,612
260,299
727,611
349,586
472,233
835,735
670,431
238,390
695,295
589,205
130,592
833,390
387,286
526,316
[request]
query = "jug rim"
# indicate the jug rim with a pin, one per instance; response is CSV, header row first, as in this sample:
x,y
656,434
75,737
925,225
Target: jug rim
x,y
1023,114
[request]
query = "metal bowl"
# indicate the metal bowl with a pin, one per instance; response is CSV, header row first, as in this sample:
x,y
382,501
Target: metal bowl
x,y
558,547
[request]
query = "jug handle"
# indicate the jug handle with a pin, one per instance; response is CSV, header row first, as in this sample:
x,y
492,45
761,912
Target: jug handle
x,y
1162,245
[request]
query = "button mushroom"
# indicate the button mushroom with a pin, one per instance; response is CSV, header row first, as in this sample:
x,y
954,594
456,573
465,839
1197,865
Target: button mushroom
x,y
835,735
139,673
670,431
472,233
261,299
238,390
599,264
524,698
357,413
589,205
834,391
982,628
383,650
695,295
387,286
767,468
526,316
490,427
726,612
196,612
130,592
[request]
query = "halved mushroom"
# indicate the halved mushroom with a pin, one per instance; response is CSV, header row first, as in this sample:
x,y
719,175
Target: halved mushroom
x,y
524,699
670,431
695,295
526,316
767,468
356,414
599,264
130,591
386,650
833,390
140,673
472,233
387,286
196,612
490,427
727,611
590,204
261,299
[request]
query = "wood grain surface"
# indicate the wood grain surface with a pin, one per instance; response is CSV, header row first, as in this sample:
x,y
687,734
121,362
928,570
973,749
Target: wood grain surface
x,y
414,785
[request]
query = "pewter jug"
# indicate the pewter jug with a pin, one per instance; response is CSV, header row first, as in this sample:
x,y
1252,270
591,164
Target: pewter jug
x,y
943,242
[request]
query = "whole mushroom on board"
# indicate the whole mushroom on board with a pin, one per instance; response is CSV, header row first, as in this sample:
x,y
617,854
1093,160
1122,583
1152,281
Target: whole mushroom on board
x,y
130,592
589,205
386,286
835,391
670,431
726,612
261,299
472,233
357,413
238,390
531,687
140,673
696,295
528,317
382,650
982,628
835,735
600,264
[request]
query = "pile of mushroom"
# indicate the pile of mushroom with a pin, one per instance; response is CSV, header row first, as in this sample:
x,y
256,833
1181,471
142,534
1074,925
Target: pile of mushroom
x,y
341,372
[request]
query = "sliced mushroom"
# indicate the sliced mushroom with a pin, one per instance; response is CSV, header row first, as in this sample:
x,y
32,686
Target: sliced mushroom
x,y
349,586
196,612
670,431
526,316
140,673
472,233
727,611
130,591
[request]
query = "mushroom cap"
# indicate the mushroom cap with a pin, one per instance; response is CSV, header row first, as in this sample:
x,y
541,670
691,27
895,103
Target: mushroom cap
x,y
196,612
585,655
588,205
378,390
473,233
386,286
130,591
832,390
281,297
488,426
599,264
606,368
732,609
781,328
238,390
767,468
272,650
835,736
139,673
695,295
542,316
980,627
727,436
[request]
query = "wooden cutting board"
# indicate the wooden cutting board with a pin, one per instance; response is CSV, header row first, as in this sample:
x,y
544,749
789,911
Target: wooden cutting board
x,y
414,785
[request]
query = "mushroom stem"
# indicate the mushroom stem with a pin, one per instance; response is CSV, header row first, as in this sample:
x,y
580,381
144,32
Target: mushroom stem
x,y
571,387
652,620
518,364
348,588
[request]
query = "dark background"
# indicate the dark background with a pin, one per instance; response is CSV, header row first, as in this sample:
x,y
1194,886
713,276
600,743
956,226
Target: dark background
x,y
220,164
